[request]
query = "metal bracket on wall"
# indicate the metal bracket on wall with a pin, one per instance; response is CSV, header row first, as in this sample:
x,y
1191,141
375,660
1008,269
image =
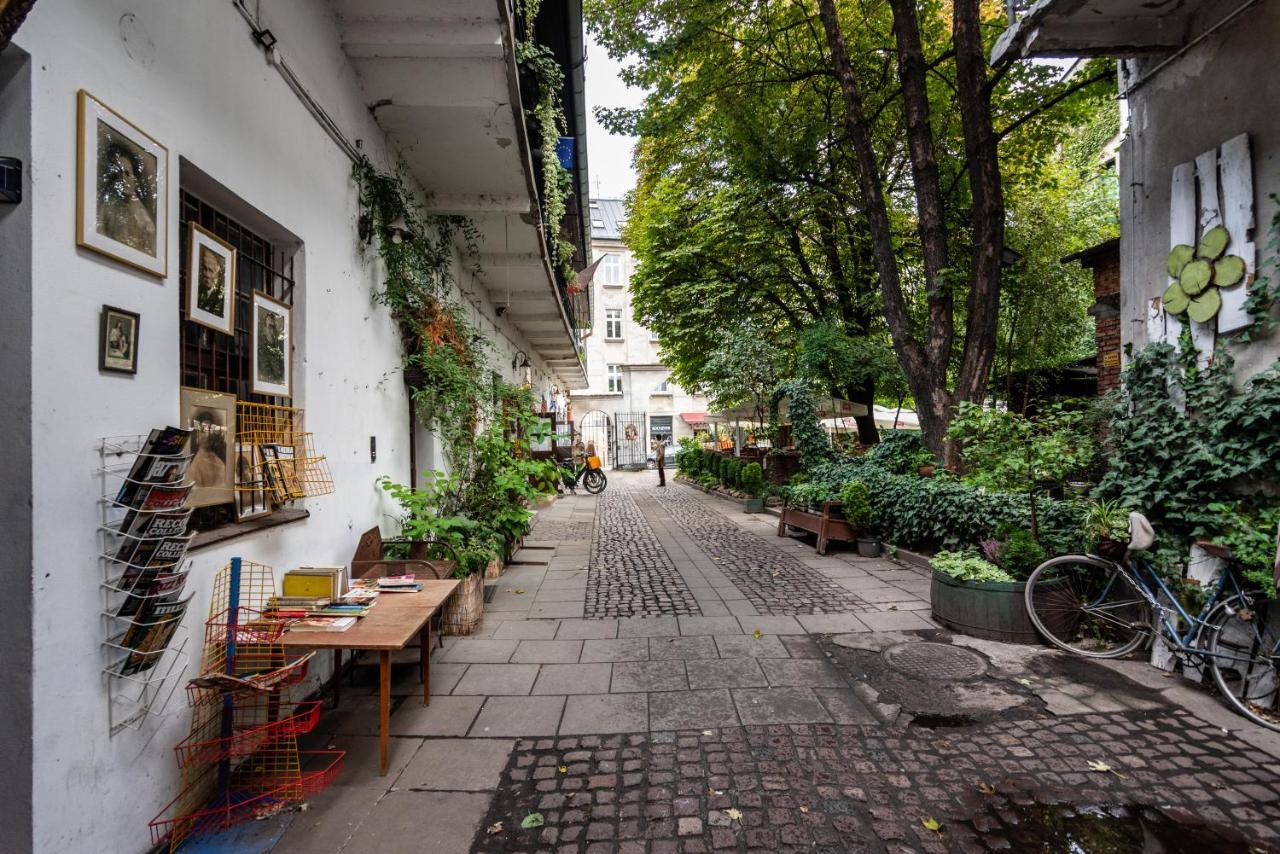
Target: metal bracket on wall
x,y
10,180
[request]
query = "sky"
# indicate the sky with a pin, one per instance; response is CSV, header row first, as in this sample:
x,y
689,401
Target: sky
x,y
608,156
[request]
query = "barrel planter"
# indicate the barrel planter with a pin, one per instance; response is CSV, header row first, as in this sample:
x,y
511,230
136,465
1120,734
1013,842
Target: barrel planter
x,y
995,610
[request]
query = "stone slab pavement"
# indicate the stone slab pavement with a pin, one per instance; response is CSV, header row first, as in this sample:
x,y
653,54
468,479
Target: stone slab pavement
x,y
658,671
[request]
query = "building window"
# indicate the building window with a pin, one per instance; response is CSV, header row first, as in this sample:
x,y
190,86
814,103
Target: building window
x,y
664,387
615,378
653,337
212,360
611,269
613,324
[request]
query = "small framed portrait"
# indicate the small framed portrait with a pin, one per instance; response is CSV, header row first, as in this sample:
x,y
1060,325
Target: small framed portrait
x,y
211,416
252,500
118,341
272,346
211,281
122,189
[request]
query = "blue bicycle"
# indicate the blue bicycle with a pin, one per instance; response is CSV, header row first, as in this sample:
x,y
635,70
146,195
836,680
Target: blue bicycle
x,y
1093,606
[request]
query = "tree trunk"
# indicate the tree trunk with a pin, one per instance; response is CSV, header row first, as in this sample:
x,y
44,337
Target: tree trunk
x,y
868,433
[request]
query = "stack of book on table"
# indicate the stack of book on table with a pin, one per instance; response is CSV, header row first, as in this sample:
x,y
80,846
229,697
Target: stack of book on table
x,y
317,599
399,584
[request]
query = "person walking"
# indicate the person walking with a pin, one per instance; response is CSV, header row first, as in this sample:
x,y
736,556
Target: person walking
x,y
659,456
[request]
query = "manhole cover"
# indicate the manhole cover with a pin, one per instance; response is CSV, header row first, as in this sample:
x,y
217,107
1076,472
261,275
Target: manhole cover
x,y
935,661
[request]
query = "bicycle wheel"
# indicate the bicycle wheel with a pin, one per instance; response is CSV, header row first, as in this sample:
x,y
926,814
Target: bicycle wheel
x,y
1088,606
595,481
1242,641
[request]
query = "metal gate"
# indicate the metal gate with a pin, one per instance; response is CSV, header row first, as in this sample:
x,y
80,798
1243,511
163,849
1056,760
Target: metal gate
x,y
631,440
597,435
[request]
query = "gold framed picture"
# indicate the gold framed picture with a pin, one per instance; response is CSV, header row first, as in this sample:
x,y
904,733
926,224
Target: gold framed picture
x,y
211,416
272,343
211,281
122,189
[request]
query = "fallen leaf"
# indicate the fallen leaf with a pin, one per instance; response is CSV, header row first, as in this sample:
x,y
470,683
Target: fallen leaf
x,y
533,819
757,634
734,813
804,809
893,607
496,827
986,788
707,732
518,590
713,792
1095,765
1025,682
564,769
931,824
776,573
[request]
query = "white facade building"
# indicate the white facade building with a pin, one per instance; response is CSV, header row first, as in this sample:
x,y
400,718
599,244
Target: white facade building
x,y
260,107
627,383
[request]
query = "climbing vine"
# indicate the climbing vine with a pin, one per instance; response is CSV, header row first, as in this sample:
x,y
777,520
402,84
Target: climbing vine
x,y
444,364
806,431
557,183
1264,290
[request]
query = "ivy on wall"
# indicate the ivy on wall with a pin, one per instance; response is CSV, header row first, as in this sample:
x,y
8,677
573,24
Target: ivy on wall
x,y
557,183
806,430
1264,290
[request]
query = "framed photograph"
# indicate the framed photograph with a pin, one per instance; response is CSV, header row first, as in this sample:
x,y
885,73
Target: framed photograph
x,y
252,500
272,346
211,415
122,189
211,281
118,341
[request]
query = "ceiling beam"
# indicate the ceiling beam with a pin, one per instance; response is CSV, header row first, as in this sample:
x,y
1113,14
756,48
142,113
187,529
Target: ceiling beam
x,y
449,204
420,37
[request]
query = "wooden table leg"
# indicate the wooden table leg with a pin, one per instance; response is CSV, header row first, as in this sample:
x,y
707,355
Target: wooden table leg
x,y
424,655
337,677
384,706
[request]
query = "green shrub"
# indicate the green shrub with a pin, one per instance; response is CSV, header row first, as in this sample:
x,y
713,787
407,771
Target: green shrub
x,y
732,472
709,459
943,512
753,479
857,506
967,566
1005,450
1021,554
900,452
812,495
689,457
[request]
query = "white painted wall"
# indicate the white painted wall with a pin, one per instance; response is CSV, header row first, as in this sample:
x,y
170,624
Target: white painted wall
x,y
643,371
187,73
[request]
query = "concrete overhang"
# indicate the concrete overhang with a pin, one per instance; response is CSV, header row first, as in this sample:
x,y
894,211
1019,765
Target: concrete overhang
x,y
1117,28
440,78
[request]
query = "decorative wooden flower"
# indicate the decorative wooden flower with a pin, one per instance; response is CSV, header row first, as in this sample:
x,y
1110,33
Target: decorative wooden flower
x,y
1199,273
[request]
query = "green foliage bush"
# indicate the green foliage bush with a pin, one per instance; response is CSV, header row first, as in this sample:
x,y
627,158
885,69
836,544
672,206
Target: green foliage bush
x,y
900,452
733,469
689,457
810,496
1005,450
967,566
944,512
1021,554
753,479
856,501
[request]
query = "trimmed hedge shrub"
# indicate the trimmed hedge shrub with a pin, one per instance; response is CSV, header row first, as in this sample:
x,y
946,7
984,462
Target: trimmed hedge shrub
x,y
943,512
733,472
752,478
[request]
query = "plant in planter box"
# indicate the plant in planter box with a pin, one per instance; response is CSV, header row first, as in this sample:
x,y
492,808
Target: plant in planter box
x,y
968,566
811,496
753,484
855,500
1020,554
1106,528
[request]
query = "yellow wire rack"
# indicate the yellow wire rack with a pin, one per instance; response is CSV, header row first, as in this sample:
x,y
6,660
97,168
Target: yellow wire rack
x,y
284,462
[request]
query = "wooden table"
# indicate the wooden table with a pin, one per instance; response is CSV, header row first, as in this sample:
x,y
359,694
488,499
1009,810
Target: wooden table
x,y
389,626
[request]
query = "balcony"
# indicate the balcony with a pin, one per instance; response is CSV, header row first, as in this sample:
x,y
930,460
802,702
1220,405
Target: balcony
x,y
441,79
1119,28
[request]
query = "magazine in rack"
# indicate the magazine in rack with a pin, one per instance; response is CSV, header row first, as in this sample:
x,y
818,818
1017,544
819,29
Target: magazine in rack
x,y
151,633
163,458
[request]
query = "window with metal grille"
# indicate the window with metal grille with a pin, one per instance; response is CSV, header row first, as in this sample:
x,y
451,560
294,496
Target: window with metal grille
x,y
210,359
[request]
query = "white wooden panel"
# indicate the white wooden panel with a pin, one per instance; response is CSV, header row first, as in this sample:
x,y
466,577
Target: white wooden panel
x,y
1236,165
1182,229
1203,334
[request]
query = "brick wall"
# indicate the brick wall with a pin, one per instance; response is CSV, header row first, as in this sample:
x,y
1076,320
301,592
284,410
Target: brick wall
x,y
1106,284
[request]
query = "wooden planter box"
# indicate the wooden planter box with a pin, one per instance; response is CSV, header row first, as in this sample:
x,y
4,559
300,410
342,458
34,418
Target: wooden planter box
x,y
995,610
827,525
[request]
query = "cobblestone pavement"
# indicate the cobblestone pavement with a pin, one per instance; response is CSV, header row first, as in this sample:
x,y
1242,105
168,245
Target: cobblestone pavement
x,y
739,713
631,574
870,788
773,581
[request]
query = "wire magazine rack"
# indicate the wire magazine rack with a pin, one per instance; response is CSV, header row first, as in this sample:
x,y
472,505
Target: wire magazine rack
x,y
142,554
285,462
241,759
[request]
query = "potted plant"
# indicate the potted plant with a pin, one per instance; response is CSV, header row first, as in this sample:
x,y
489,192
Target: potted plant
x,y
816,508
855,500
974,596
1106,529
753,483
925,463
